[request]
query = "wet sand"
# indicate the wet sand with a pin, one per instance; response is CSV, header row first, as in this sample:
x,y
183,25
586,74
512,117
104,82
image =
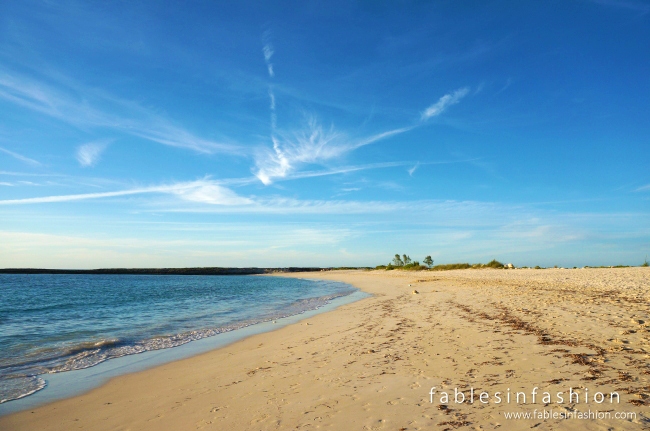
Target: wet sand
x,y
371,365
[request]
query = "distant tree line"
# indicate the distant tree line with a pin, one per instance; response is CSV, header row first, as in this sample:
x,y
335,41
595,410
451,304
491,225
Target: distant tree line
x,y
405,262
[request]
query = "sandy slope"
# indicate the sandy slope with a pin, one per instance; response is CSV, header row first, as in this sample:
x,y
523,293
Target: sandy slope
x,y
370,365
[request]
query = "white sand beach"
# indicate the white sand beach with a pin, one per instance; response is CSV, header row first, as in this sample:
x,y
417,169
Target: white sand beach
x,y
370,365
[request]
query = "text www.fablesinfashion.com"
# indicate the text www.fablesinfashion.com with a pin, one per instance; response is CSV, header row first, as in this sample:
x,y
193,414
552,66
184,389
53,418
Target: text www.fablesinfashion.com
x,y
575,414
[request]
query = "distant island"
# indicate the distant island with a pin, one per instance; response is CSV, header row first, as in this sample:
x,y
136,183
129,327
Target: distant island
x,y
162,271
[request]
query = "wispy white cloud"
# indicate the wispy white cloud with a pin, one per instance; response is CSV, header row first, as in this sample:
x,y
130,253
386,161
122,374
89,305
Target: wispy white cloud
x,y
414,168
327,172
30,174
245,181
643,188
312,144
69,198
309,145
282,205
344,170
78,106
21,157
505,86
267,50
274,118
379,136
200,191
268,53
444,102
206,192
89,154
214,197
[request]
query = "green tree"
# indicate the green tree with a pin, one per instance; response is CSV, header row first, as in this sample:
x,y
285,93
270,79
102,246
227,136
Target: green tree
x,y
406,259
428,261
397,261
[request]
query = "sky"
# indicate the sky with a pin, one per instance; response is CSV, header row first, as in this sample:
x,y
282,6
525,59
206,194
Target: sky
x,y
238,133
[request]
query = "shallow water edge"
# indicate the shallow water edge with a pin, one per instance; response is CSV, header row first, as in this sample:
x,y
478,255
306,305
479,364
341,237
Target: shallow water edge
x,y
76,382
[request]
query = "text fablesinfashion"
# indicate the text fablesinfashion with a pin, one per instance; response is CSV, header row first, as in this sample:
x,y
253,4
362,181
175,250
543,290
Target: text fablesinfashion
x,y
531,397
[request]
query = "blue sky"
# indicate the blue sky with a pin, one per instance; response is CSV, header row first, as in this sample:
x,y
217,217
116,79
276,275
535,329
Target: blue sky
x,y
335,133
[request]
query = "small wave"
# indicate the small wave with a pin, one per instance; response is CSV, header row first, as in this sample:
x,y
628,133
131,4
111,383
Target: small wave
x,y
91,346
87,355
90,353
17,387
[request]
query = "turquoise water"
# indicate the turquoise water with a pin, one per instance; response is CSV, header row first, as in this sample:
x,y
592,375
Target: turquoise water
x,y
58,323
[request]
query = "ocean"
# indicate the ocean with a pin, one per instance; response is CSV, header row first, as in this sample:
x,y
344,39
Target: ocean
x,y
58,323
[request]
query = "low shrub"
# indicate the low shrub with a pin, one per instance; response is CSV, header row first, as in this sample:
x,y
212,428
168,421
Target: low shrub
x,y
451,266
415,266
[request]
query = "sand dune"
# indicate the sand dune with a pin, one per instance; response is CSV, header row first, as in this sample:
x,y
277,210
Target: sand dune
x,y
371,365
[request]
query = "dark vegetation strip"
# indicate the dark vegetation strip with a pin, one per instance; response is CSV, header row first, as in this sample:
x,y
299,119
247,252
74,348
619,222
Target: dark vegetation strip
x,y
162,271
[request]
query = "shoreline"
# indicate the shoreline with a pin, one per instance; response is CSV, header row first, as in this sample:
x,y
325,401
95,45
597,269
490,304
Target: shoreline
x,y
71,383
370,364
